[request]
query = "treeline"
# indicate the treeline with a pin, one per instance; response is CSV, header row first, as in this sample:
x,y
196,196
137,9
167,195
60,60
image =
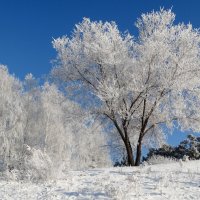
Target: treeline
x,y
187,149
42,133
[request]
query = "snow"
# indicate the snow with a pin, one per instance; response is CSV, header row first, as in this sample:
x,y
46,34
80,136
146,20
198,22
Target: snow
x,y
179,180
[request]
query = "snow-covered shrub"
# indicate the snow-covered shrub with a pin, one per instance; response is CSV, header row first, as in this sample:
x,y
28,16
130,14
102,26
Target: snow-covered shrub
x,y
37,165
34,165
157,159
185,158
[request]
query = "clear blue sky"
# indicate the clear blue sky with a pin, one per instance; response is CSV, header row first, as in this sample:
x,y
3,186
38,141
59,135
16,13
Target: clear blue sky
x,y
28,26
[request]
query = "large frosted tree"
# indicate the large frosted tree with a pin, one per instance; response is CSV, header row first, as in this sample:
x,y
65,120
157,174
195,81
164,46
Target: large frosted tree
x,y
142,85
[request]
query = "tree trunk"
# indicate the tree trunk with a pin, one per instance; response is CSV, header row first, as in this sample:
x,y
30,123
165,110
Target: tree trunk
x,y
129,152
125,139
139,151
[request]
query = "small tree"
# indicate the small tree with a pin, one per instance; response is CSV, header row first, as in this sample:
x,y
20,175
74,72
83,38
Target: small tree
x,y
141,85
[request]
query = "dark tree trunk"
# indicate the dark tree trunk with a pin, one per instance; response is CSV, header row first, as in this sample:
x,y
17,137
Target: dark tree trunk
x,y
129,152
139,151
125,139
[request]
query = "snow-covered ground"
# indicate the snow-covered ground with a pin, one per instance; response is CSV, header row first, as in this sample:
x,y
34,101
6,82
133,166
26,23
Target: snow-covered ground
x,y
164,181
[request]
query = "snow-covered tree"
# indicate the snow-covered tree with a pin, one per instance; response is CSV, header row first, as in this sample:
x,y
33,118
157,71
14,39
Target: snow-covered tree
x,y
90,148
33,130
140,85
11,119
70,137
56,126
43,133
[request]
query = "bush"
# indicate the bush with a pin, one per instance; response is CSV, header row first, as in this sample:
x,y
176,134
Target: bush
x,y
157,159
38,165
35,165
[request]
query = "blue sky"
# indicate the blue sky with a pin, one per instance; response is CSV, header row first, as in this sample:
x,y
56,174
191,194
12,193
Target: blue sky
x,y
28,26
